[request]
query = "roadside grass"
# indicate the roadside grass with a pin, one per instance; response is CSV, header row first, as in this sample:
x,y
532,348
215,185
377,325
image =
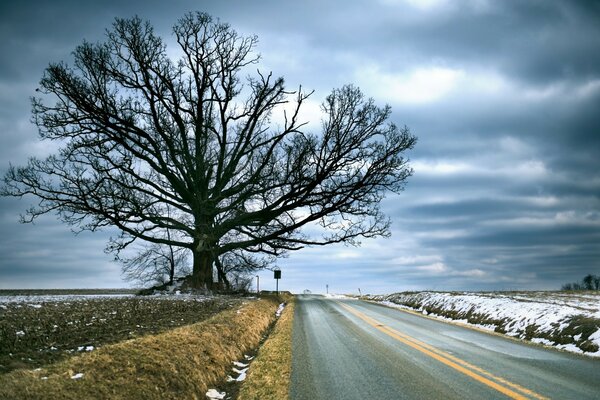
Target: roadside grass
x,y
181,363
269,374
38,333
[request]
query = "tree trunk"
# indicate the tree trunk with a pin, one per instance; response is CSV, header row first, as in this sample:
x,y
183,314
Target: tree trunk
x,y
202,273
171,270
223,281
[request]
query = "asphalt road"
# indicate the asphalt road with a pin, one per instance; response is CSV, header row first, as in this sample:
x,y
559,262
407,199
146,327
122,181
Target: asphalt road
x,y
350,349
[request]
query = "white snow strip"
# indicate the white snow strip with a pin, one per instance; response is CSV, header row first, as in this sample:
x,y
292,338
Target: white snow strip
x,y
242,376
546,314
213,394
336,296
35,300
239,364
280,310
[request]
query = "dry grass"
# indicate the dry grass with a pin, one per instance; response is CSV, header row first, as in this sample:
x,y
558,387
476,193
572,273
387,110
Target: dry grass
x,y
269,374
179,364
52,331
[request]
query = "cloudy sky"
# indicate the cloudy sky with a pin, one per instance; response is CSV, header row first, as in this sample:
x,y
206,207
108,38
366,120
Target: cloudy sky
x,y
504,97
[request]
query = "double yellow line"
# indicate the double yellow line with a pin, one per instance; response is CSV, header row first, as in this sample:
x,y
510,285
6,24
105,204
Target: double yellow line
x,y
512,390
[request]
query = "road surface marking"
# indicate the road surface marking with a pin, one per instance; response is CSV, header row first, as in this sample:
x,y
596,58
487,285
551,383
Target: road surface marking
x,y
456,363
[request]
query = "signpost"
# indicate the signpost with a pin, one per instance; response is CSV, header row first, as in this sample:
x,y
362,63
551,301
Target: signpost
x,y
277,276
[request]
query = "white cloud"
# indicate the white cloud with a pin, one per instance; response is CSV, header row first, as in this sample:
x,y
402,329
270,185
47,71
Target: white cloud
x,y
589,88
435,268
442,167
419,4
470,273
347,255
310,113
494,164
418,86
561,218
514,145
443,234
415,259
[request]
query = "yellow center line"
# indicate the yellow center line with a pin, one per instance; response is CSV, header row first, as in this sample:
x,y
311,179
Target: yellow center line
x,y
456,363
472,367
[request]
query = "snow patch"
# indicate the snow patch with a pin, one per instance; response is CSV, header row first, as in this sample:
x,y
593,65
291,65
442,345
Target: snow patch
x,y
213,394
242,374
239,364
279,310
537,316
35,300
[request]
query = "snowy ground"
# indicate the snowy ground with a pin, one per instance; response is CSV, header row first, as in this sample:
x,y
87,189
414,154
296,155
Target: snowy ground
x,y
38,300
568,321
51,298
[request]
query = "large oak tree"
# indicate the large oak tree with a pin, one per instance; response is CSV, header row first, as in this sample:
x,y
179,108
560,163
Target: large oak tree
x,y
154,140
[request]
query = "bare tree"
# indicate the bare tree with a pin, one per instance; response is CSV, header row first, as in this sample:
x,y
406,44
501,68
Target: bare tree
x,y
567,286
141,133
588,282
236,266
156,264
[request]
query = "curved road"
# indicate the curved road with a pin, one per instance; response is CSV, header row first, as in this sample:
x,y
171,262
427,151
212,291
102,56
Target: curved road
x,y
350,349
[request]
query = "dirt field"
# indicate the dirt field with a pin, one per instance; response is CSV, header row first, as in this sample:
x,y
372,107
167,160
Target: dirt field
x,y
42,329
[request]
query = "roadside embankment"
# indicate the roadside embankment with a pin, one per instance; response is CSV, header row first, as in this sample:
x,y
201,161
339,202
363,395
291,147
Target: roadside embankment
x,y
269,374
565,320
178,364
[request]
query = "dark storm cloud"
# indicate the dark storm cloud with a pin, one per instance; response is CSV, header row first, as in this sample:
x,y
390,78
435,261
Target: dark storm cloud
x,y
502,95
47,254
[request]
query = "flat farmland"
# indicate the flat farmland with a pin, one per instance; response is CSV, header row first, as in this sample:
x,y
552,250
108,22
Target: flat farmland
x,y
42,327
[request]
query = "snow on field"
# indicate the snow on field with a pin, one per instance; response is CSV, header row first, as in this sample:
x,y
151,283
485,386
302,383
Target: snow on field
x,y
35,300
568,321
336,296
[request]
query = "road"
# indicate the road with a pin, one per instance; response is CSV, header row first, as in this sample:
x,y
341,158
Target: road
x,y
350,349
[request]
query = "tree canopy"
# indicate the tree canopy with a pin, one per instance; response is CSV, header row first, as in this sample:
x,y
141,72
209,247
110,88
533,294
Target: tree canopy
x,y
155,140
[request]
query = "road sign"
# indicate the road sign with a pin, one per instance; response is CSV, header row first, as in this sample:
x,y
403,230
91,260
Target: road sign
x,y
277,275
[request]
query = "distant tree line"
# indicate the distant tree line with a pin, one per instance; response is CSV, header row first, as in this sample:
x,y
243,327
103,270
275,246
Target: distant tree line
x,y
589,282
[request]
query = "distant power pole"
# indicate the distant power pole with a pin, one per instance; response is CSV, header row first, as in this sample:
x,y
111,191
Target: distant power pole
x,y
257,284
327,288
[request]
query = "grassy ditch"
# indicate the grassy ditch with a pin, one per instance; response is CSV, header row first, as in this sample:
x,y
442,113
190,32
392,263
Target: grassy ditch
x,y
181,363
269,374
